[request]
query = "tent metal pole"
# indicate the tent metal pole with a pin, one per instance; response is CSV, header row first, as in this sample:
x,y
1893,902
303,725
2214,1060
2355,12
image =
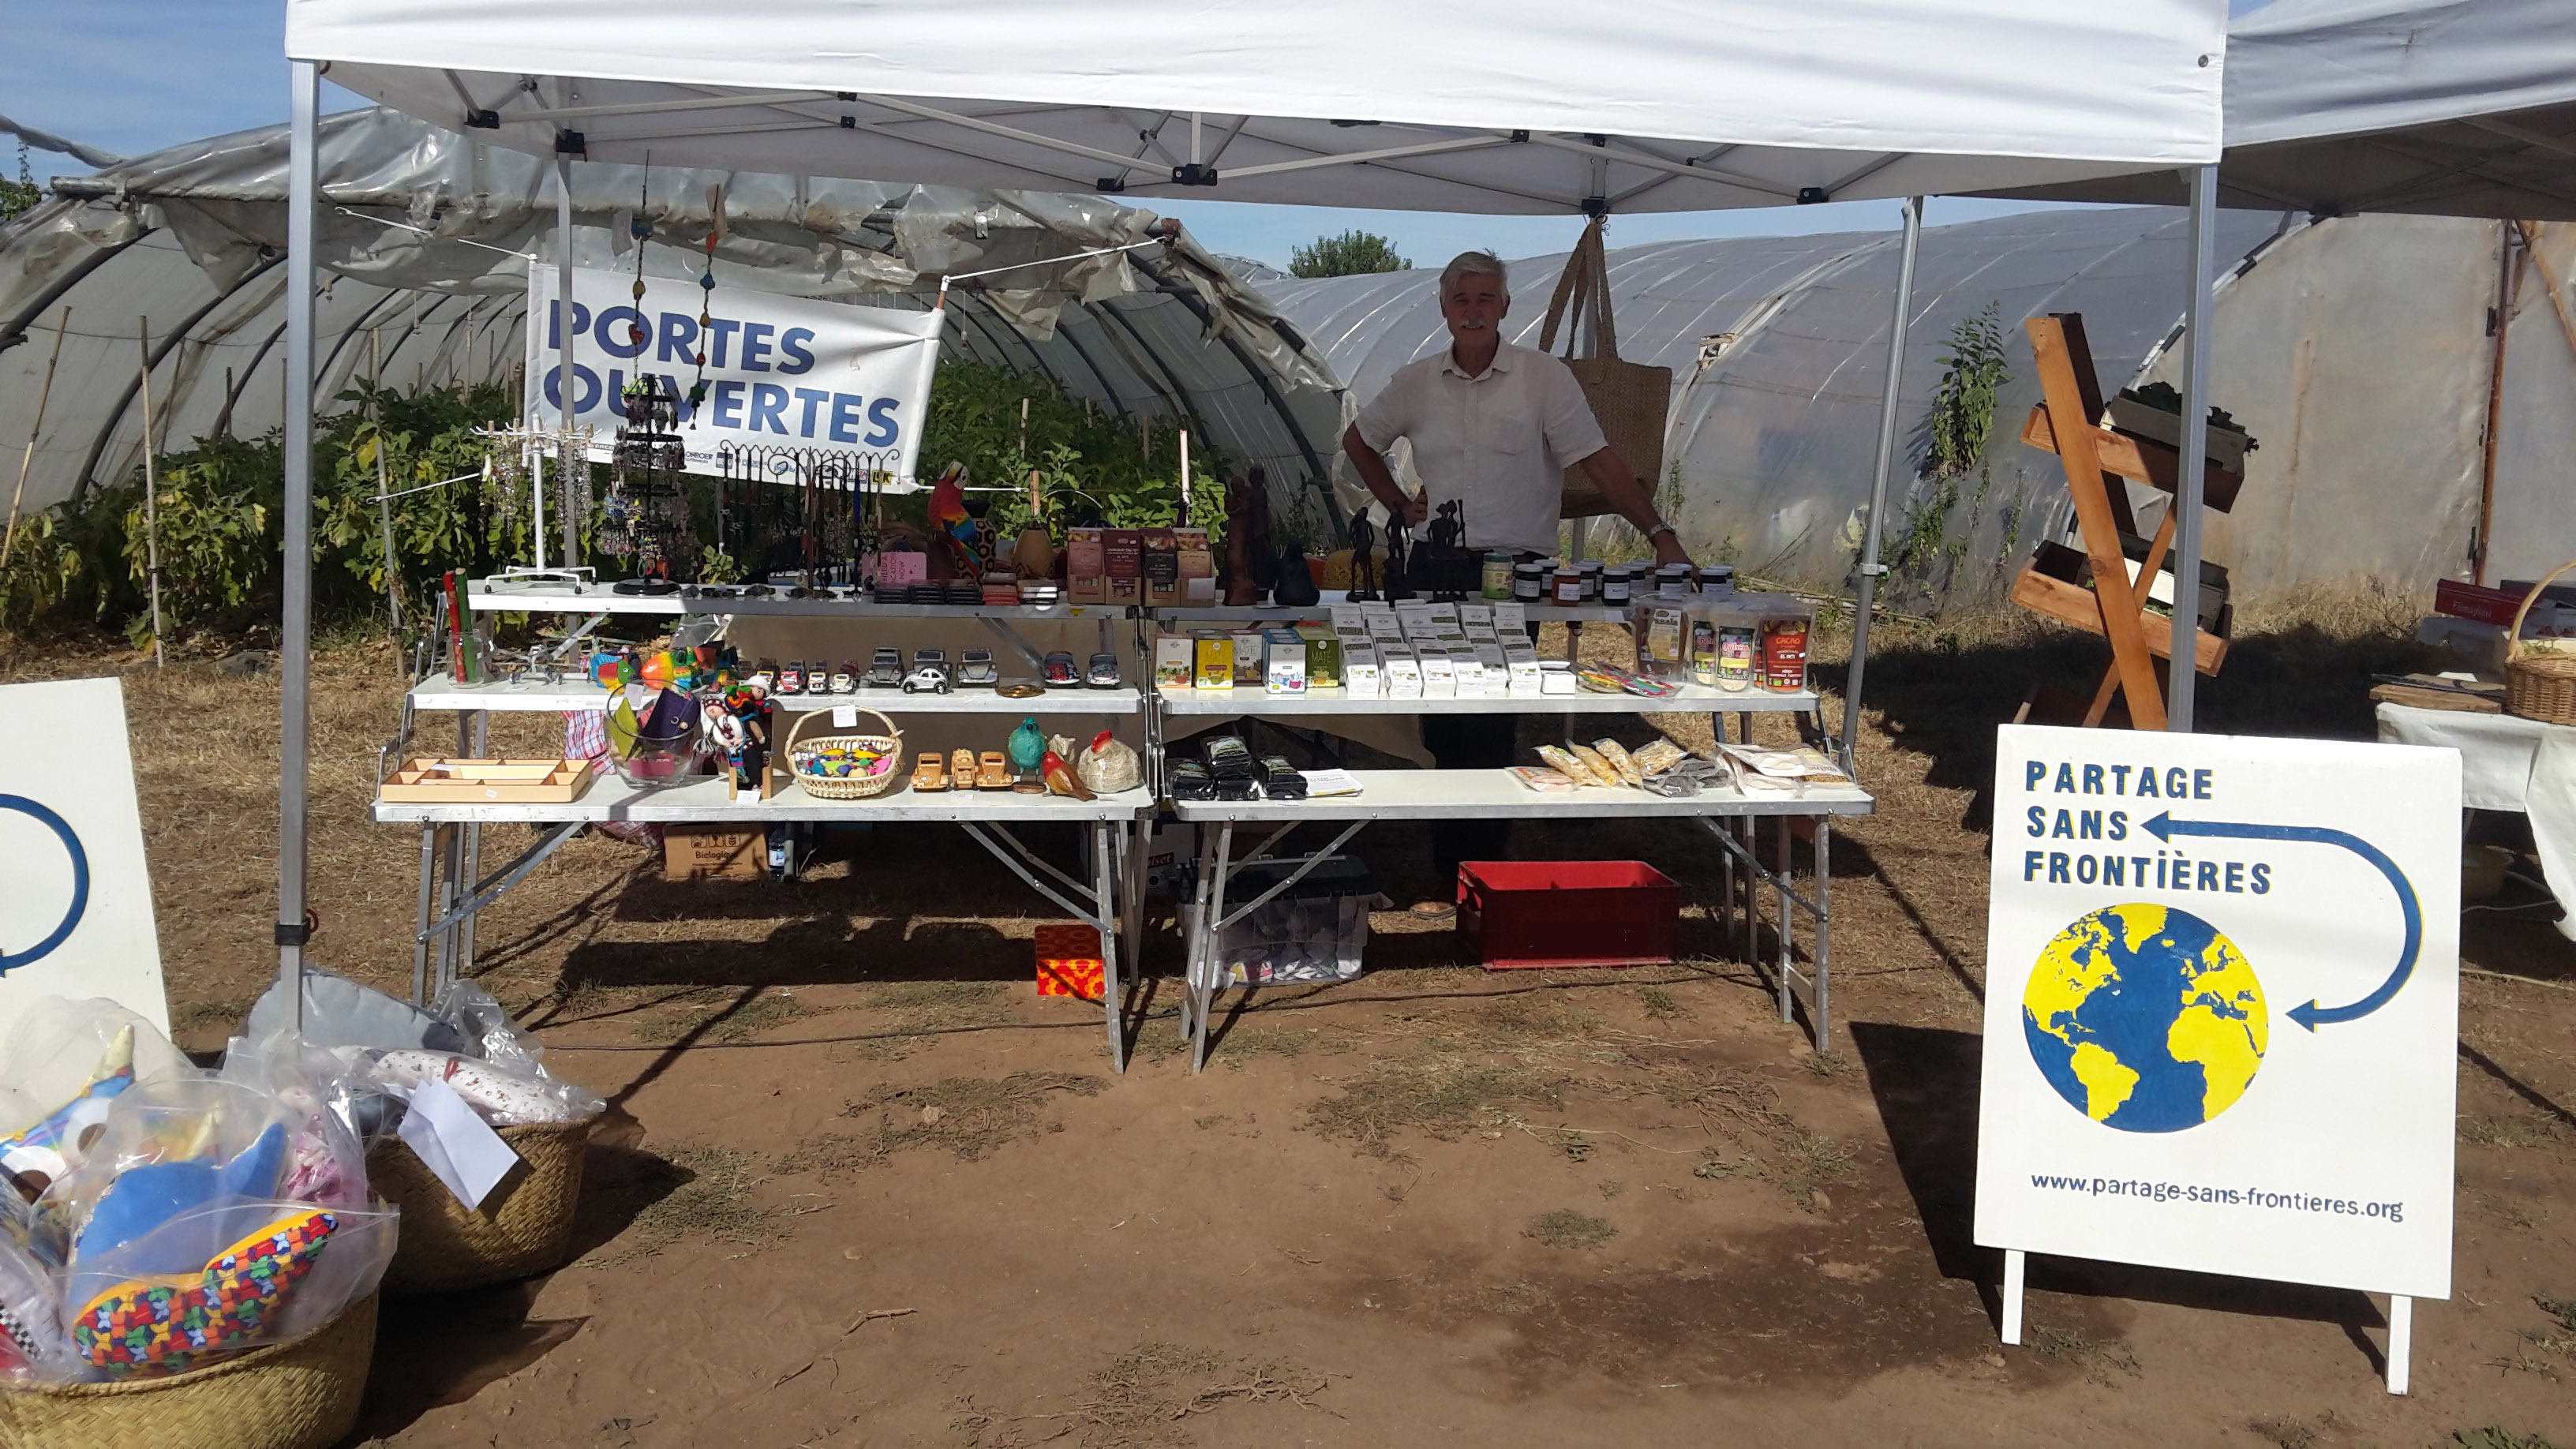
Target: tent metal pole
x,y
1870,567
567,384
2181,678
295,639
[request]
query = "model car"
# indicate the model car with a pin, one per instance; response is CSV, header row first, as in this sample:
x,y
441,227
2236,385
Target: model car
x,y
885,669
975,669
1103,673
929,673
1060,672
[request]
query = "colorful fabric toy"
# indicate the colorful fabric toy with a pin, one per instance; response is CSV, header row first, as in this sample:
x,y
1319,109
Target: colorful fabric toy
x,y
54,1143
948,515
166,1326
143,1198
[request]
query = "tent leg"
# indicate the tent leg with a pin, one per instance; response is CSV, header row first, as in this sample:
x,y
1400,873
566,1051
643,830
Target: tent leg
x,y
2181,680
295,639
568,384
1870,568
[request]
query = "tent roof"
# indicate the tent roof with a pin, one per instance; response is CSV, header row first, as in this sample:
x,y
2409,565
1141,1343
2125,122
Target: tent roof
x,y
2458,108
1513,106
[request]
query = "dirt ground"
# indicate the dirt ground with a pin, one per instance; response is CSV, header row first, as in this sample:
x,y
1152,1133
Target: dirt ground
x,y
859,1186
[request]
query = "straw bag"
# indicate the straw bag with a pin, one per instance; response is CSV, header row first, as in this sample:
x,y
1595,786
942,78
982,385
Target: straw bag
x,y
298,1395
866,778
1628,399
523,1229
2539,674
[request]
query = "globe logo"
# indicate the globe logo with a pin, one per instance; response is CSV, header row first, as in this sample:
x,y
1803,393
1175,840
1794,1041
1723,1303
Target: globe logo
x,y
2145,1018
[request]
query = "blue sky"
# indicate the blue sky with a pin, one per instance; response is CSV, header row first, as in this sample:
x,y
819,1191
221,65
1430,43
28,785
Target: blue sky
x,y
136,75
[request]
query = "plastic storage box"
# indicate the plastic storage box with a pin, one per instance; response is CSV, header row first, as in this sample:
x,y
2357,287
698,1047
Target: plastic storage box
x,y
1536,913
1315,930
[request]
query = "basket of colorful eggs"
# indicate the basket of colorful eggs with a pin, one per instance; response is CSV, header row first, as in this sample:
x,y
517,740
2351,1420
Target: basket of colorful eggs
x,y
844,766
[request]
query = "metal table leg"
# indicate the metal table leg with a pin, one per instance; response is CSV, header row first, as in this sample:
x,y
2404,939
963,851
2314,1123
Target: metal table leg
x,y
1787,931
1194,949
1102,916
420,922
1211,941
1105,878
1824,934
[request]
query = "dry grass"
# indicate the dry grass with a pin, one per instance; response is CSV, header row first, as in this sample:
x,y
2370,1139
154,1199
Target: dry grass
x,y
968,1117
1566,1228
1143,1399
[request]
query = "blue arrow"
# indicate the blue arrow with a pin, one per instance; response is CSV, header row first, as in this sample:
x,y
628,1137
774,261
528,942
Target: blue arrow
x,y
2164,827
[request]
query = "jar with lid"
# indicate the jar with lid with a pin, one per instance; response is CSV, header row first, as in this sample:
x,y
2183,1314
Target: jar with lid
x,y
1590,570
1672,581
1565,586
1717,580
1618,584
1497,577
1527,579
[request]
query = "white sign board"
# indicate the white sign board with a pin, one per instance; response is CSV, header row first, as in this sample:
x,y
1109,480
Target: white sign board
x,y
2222,1006
75,896
784,373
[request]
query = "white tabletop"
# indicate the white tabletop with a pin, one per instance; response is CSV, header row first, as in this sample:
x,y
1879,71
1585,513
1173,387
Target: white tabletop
x,y
601,599
1495,795
702,801
1321,610
1693,699
536,695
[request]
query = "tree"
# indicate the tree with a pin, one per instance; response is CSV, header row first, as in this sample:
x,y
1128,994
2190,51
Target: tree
x,y
1347,255
21,194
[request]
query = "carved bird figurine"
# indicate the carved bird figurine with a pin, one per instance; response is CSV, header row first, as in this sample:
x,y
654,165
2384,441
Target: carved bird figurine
x,y
1061,779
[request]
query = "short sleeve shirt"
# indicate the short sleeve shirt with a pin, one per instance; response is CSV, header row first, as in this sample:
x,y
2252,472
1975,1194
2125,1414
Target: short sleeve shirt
x,y
1500,441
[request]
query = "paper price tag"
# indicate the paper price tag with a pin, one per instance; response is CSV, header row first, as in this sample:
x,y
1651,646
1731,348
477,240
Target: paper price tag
x,y
845,716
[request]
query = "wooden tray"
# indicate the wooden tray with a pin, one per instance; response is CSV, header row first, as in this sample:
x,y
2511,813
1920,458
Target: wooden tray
x,y
2141,460
484,782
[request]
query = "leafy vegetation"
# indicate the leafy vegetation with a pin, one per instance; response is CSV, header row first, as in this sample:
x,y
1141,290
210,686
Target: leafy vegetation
x,y
1348,255
1925,553
1091,465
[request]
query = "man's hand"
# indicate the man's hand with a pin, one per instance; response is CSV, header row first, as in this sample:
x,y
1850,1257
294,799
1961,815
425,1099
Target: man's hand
x,y
1416,509
1668,550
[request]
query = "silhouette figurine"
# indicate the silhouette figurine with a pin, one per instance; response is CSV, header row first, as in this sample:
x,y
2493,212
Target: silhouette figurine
x,y
1399,581
1363,558
1249,563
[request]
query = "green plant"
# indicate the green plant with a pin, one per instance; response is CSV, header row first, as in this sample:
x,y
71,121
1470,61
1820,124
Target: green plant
x,y
1091,465
1350,254
1973,372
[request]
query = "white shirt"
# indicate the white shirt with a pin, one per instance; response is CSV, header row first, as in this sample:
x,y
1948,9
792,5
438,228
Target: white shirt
x,y
1500,440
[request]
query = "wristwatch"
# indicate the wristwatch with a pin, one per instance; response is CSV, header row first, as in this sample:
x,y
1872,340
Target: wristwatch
x,y
1661,527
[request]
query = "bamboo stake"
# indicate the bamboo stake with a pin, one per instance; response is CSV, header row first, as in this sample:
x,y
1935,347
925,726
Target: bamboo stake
x,y
151,490
384,487
9,540
1185,475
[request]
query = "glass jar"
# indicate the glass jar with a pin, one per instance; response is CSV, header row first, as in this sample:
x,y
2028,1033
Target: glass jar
x,y
1672,581
1618,583
1718,581
1498,576
1526,581
1590,571
1565,586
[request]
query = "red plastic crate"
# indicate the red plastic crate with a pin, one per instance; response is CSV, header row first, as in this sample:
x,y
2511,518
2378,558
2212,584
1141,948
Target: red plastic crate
x,y
1530,913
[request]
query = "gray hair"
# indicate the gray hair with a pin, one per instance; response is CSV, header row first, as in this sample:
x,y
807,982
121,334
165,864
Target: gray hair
x,y
1473,264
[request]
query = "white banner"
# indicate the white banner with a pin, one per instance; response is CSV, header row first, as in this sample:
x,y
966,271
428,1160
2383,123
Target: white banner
x,y
2222,1006
781,372
75,896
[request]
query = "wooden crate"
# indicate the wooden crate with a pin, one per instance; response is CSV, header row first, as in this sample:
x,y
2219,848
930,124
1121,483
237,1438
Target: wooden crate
x,y
715,852
486,782
2038,589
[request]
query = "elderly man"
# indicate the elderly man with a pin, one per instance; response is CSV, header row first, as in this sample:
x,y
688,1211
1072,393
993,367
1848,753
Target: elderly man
x,y
1496,426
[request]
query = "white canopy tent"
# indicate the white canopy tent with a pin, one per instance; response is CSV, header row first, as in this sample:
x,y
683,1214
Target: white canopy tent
x,y
1516,106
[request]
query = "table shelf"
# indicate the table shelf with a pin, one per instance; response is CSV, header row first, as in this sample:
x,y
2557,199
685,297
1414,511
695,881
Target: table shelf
x,y
1260,704
1495,795
703,801
600,599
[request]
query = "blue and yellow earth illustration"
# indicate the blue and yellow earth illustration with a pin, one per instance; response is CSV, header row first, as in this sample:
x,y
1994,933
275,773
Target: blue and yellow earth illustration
x,y
2145,1018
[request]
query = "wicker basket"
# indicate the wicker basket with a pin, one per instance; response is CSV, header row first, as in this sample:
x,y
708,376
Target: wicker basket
x,y
847,787
299,1395
524,1228
2539,675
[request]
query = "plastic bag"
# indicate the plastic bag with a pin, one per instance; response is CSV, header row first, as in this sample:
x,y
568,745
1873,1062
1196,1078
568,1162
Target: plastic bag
x,y
498,1095
339,1012
221,1279
487,1030
196,1127
32,1342
320,1103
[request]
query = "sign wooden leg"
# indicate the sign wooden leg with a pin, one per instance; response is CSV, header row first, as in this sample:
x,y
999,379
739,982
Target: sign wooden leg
x,y
2015,1262
2401,1339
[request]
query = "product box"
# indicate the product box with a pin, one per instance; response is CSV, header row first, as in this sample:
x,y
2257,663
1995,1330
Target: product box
x,y
1323,656
1470,672
1439,674
1215,661
1086,566
1068,960
900,567
1472,617
1555,676
1415,617
1283,662
1346,619
1511,618
1175,658
1162,565
1197,564
1520,666
1383,626
1360,678
1247,659
1123,557
715,852
1402,670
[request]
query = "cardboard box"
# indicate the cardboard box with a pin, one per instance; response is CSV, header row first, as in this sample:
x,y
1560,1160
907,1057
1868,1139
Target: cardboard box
x,y
1402,671
1520,665
1123,556
1283,662
1323,656
1086,566
1198,566
1555,676
1511,618
1162,564
1175,657
1247,659
1383,626
1215,661
1069,962
715,852
1360,678
1470,672
1439,675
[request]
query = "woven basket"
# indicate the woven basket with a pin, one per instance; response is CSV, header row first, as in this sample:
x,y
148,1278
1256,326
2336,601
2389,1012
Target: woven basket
x,y
2539,675
1629,399
299,1395
847,787
523,1229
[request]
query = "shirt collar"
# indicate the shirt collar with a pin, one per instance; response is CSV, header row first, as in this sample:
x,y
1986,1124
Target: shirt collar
x,y
1502,362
